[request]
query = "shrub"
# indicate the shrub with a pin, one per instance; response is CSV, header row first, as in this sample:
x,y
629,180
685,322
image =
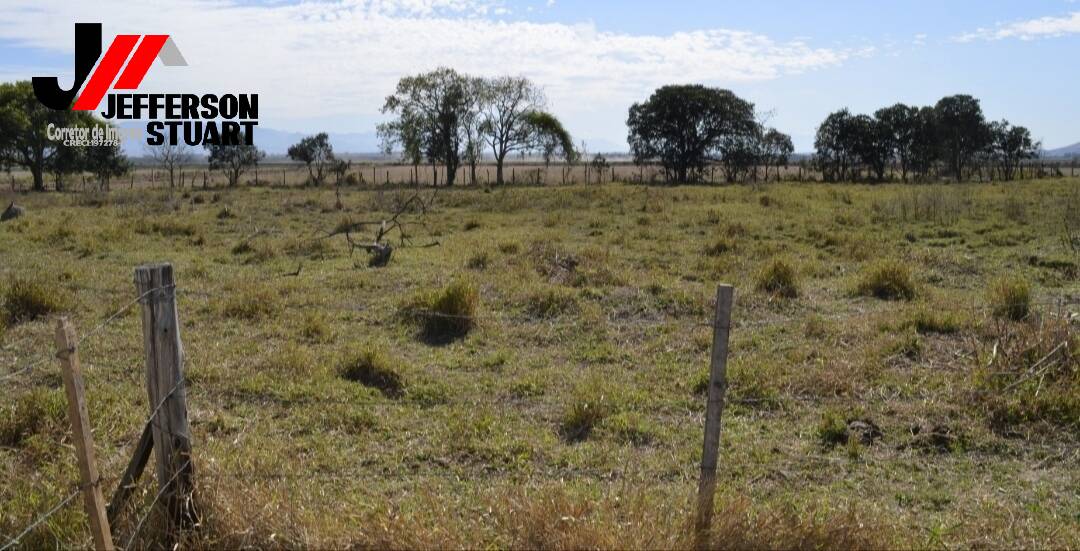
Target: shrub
x,y
887,280
372,368
447,314
27,299
778,278
1010,298
551,302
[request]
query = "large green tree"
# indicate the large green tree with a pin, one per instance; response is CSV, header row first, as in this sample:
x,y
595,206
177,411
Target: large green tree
x,y
431,111
962,132
776,148
234,160
316,153
24,124
507,105
1010,146
105,162
684,127
837,146
898,124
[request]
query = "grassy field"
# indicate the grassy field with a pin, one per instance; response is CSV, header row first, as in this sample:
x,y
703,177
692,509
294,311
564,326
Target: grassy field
x,y
897,374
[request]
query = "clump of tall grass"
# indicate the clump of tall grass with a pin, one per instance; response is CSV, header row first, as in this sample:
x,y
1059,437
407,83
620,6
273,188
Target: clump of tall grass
x,y
778,278
371,367
28,299
446,314
887,280
588,408
1010,298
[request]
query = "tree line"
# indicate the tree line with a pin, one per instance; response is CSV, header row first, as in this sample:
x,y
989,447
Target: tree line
x,y
25,142
951,138
448,119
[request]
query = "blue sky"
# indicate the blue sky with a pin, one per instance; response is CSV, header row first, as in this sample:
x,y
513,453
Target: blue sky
x,y
327,65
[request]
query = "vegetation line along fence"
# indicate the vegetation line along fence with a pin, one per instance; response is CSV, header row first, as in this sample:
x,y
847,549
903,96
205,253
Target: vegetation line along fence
x,y
166,431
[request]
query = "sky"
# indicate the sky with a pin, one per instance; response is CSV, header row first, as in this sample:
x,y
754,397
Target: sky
x,y
323,65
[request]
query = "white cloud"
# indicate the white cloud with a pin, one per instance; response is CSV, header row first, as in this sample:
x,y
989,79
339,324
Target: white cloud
x,y
333,60
1043,27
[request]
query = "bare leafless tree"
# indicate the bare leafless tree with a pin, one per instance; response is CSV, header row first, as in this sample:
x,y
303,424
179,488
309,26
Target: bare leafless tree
x,y
170,157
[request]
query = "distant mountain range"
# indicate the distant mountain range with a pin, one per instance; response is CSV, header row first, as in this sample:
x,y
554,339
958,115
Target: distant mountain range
x,y
277,142
346,144
1069,151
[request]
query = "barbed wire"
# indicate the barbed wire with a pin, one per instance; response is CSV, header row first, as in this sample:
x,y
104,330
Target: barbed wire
x,y
164,487
42,518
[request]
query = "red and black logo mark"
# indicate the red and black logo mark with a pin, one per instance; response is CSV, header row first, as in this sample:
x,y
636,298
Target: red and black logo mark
x,y
104,77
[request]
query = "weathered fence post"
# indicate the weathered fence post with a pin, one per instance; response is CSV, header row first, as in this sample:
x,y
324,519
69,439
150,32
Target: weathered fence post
x,y
714,409
165,386
67,351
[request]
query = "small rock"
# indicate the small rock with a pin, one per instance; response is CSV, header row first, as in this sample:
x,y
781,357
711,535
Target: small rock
x,y
12,212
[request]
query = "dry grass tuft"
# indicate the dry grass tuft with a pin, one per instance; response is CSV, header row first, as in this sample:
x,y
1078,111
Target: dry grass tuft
x,y
887,280
371,367
445,315
28,299
1010,298
778,278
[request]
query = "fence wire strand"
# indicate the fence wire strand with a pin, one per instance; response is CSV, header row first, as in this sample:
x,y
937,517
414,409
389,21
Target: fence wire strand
x,y
561,472
42,518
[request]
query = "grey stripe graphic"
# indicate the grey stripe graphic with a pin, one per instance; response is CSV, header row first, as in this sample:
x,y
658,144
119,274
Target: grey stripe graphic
x,y
170,55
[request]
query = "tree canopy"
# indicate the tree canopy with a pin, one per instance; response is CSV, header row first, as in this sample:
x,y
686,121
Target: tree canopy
x,y
24,139
951,137
684,127
233,159
316,153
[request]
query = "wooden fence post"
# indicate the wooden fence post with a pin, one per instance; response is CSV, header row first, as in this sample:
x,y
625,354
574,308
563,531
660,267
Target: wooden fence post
x,y
714,409
165,386
67,351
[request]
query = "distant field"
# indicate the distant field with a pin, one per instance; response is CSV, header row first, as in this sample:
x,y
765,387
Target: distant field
x,y
276,173
524,172
880,396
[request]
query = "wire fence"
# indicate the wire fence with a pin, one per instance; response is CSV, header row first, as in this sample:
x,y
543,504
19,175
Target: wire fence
x,y
23,367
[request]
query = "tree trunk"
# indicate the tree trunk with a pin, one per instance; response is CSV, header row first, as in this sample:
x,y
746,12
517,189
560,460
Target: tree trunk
x,y
39,182
499,170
